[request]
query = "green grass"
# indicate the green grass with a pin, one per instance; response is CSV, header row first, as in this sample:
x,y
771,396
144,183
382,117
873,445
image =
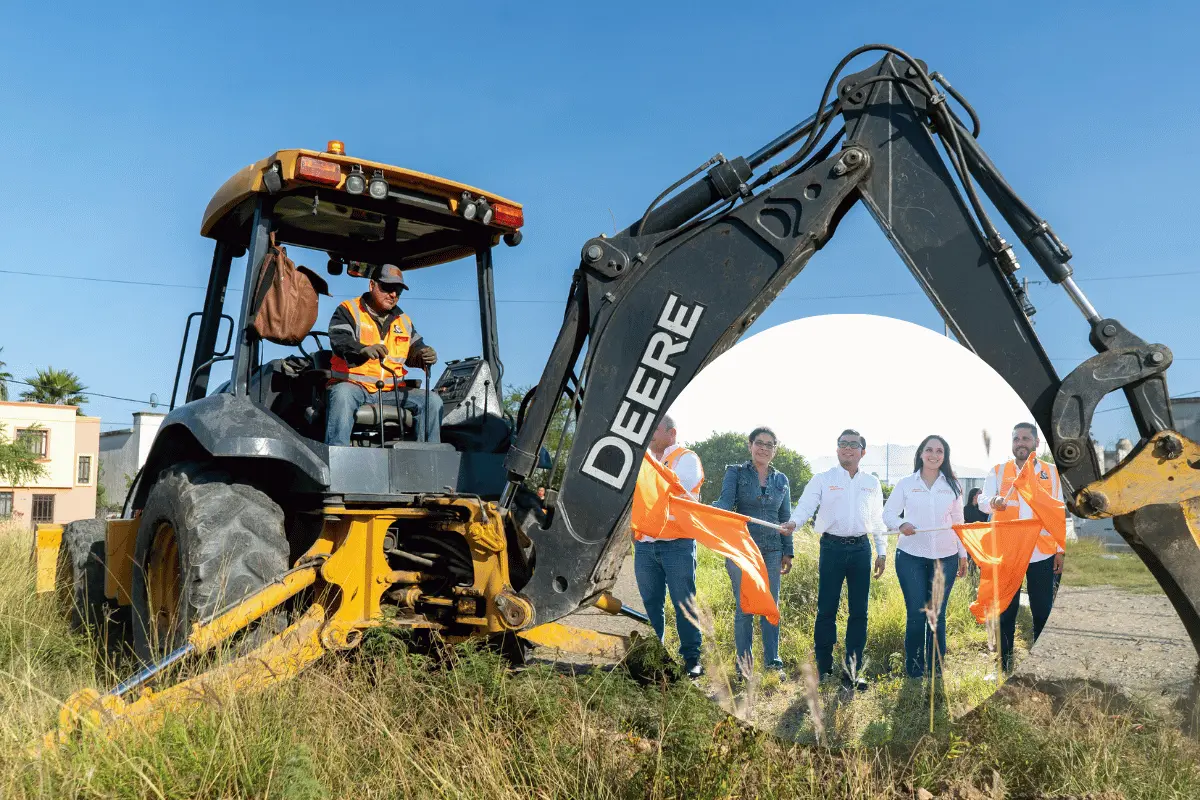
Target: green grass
x,y
1088,563
385,723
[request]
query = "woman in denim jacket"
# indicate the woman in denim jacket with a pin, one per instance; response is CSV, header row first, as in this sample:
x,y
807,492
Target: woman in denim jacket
x,y
758,490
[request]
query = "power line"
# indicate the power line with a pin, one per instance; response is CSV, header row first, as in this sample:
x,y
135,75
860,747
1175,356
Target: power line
x,y
233,290
157,284
89,394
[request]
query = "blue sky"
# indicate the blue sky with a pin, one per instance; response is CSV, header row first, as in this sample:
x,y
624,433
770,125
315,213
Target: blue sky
x,y
119,125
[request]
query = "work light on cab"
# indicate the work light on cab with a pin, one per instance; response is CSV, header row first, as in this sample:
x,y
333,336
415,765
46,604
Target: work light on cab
x,y
378,187
356,181
469,210
484,211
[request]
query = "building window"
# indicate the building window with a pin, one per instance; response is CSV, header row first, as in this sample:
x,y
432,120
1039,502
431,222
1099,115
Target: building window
x,y
43,508
35,440
6,499
84,475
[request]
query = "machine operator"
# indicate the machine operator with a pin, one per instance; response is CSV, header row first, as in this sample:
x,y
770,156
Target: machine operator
x,y
366,334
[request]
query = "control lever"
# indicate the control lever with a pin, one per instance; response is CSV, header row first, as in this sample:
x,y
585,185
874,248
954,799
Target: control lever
x,y
379,405
395,396
425,414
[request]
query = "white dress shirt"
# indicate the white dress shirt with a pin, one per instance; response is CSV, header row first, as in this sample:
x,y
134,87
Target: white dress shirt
x,y
690,474
848,506
931,509
991,488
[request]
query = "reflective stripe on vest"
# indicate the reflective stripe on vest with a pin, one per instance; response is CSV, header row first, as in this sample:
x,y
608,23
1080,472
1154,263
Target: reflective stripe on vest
x,y
673,459
370,372
1012,511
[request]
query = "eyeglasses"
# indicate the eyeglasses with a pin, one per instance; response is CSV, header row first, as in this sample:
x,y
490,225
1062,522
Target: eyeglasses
x,y
845,445
388,288
764,445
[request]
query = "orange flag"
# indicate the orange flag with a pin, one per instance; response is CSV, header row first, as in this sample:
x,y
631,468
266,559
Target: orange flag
x,y
656,484
662,509
1002,551
1050,512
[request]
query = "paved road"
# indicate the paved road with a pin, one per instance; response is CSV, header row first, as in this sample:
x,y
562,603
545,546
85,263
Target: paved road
x,y
1133,645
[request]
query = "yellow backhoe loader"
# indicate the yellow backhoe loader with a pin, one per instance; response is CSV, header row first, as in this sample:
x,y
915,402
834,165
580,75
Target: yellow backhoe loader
x,y
242,511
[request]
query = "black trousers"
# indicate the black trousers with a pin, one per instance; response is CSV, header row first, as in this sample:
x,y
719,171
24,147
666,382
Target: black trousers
x,y
1039,582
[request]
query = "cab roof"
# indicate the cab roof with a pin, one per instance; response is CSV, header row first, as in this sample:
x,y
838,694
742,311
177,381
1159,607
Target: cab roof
x,y
422,220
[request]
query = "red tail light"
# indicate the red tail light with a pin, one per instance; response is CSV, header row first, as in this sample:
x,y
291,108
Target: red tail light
x,y
507,216
318,170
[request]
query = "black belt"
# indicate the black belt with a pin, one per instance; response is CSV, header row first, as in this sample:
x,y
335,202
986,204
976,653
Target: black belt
x,y
834,537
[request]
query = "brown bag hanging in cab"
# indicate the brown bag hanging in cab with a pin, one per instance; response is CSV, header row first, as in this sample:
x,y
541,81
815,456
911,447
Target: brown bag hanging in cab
x,y
286,298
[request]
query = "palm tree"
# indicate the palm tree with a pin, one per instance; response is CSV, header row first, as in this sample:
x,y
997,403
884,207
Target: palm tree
x,y
54,387
5,377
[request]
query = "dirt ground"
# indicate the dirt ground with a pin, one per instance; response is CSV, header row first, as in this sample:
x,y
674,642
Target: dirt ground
x,y
1131,646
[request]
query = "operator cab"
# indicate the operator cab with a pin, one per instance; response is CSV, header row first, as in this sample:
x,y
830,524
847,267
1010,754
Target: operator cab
x,y
360,215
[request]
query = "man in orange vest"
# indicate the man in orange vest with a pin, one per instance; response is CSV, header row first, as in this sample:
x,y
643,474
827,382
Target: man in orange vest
x,y
1047,558
660,565
366,334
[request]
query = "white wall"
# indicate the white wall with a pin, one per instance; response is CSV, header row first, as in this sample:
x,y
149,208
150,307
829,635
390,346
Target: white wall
x,y
122,453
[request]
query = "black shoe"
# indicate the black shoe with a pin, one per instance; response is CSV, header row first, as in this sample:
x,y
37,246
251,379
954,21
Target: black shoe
x,y
694,672
854,684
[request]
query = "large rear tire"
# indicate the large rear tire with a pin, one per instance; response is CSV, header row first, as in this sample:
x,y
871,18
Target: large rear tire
x,y
204,542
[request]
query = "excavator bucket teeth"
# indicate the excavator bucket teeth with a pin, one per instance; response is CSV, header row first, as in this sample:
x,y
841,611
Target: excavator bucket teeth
x,y
278,659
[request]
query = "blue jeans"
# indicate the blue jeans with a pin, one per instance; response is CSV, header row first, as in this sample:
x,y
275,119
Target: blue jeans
x,y
670,565
1039,583
743,623
842,559
916,581
345,398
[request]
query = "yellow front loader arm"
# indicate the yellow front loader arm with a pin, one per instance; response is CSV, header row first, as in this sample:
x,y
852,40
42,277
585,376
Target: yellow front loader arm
x,y
279,659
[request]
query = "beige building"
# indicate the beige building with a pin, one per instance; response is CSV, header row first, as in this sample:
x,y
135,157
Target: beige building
x,y
68,446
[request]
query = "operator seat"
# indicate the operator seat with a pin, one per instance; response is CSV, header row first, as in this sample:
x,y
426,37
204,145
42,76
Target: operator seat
x,y
397,424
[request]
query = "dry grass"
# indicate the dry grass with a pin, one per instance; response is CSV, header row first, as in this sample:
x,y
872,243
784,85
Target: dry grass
x,y
387,723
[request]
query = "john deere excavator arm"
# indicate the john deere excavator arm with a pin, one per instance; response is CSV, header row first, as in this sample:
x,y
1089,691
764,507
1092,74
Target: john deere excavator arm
x,y
651,306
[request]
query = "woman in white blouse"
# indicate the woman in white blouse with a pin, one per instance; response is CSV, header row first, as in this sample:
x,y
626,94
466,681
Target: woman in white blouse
x,y
929,502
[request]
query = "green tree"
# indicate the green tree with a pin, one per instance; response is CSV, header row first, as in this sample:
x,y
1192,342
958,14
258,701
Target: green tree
x,y
559,431
5,377
18,466
722,449
1047,456
55,387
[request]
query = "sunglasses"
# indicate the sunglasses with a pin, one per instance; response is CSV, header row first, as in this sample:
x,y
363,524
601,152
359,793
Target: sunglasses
x,y
764,445
843,444
389,288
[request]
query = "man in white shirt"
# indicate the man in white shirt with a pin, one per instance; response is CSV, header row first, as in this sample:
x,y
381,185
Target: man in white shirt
x,y
1047,558
660,565
849,506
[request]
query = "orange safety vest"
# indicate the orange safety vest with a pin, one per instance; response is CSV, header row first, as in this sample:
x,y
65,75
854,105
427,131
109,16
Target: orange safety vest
x,y
673,459
1047,475
370,372
669,462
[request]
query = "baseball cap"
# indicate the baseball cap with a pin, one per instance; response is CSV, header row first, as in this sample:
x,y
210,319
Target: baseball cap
x,y
390,274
